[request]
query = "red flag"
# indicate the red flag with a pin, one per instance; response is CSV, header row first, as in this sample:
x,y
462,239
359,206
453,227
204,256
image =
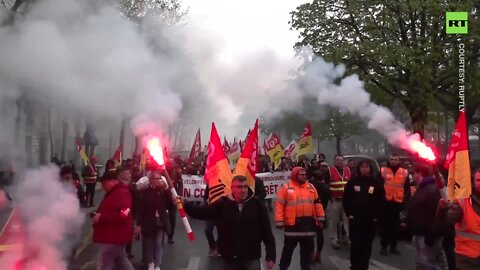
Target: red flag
x,y
196,148
458,162
248,162
217,173
117,156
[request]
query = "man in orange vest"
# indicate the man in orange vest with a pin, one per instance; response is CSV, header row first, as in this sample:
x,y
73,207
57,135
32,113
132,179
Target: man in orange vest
x,y
299,211
397,188
90,180
466,214
339,175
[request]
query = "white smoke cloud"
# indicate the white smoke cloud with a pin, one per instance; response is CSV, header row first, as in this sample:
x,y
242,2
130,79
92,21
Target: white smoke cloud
x,y
53,218
89,58
349,95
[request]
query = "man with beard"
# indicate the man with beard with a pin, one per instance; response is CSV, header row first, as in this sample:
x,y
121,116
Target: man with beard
x,y
397,190
299,212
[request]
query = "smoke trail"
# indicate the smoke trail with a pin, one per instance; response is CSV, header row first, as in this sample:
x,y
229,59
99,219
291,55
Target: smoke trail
x,y
52,218
349,95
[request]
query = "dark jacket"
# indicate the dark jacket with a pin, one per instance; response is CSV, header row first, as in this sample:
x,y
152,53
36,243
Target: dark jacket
x,y
423,217
240,233
113,226
364,198
260,191
153,200
323,191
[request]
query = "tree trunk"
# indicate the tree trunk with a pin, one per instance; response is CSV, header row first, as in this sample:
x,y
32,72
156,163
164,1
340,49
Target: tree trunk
x,y
122,134
43,140
338,142
50,134
136,146
63,155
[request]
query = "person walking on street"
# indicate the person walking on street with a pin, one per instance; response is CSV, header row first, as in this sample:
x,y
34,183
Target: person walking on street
x,y
298,210
466,214
363,200
425,219
319,182
397,191
339,176
153,221
90,180
112,226
243,223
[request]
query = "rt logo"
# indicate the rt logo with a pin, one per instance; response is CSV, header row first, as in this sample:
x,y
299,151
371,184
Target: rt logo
x,y
457,22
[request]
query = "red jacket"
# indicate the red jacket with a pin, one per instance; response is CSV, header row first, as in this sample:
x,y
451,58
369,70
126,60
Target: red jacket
x,y
115,225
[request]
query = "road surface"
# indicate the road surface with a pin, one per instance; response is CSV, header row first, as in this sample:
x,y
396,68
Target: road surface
x,y
187,255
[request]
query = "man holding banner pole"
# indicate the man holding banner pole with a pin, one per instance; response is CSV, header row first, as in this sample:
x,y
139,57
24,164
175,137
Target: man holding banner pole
x,y
243,223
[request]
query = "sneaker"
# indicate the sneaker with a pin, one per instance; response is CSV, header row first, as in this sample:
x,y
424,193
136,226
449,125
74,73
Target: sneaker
x,y
151,266
213,252
395,251
335,245
170,241
384,252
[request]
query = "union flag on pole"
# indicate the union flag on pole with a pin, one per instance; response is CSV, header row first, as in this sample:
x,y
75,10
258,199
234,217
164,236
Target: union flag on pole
x,y
305,144
81,151
248,162
196,148
117,156
274,149
291,150
217,174
458,162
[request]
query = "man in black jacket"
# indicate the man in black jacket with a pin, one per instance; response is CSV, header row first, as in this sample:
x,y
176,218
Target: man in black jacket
x,y
424,219
318,181
243,223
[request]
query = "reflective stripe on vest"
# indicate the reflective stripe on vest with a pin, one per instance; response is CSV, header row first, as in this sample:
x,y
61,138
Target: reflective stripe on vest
x,y
337,181
394,184
468,235
300,233
467,239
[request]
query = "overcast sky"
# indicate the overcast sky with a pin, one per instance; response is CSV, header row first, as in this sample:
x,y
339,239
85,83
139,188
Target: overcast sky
x,y
247,25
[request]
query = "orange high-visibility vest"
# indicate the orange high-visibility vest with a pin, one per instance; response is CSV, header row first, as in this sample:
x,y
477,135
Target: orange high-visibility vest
x,y
294,201
467,239
394,184
337,181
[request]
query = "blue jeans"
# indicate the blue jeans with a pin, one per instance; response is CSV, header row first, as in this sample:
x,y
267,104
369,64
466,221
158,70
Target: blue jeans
x,y
154,247
113,256
426,256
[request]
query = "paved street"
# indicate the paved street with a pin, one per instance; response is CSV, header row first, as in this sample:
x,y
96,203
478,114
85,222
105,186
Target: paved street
x,y
186,255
